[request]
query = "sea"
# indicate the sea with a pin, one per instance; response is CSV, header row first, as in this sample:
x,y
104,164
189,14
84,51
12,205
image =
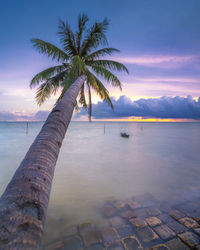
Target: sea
x,y
96,164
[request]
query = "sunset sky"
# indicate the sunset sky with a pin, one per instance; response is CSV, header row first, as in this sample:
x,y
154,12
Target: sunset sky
x,y
159,42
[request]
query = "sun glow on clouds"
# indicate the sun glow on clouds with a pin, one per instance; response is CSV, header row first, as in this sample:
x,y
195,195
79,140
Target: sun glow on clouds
x,y
173,61
143,119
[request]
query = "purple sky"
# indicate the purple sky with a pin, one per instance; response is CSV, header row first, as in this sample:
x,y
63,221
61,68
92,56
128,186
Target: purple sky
x,y
159,43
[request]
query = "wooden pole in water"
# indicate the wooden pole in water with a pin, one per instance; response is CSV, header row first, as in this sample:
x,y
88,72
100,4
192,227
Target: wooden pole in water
x,y
27,128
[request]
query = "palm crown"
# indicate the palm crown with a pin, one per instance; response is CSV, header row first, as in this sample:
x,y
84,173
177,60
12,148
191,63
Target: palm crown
x,y
79,55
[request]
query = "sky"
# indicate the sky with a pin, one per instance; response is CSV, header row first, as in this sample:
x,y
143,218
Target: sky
x,y
159,42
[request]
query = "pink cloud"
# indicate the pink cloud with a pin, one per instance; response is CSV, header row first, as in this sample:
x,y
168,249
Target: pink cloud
x,y
173,61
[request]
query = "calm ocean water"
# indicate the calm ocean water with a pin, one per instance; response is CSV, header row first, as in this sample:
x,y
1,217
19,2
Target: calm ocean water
x,y
159,158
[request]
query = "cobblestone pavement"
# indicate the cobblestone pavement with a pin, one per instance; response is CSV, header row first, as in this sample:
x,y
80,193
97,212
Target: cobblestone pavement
x,y
141,222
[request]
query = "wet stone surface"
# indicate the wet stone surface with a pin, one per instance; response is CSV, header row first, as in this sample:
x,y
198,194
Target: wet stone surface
x,y
147,234
127,214
115,246
153,221
177,227
160,247
176,244
117,221
176,214
189,222
190,239
73,243
164,232
138,222
125,231
110,235
141,222
132,243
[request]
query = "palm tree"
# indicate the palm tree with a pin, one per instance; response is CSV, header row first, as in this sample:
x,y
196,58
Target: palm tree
x,y
79,55
24,203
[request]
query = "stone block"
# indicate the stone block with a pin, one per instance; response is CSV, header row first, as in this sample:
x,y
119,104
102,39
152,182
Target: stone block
x,y
165,218
147,234
71,230
176,214
95,247
117,221
153,211
197,230
104,223
164,232
153,221
131,243
110,235
91,238
177,227
120,205
189,222
190,239
138,222
128,214
57,245
86,227
141,213
114,246
134,204
108,210
74,243
160,247
176,244
125,231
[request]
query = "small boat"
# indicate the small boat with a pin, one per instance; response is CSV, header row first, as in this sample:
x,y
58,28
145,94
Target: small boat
x,y
125,135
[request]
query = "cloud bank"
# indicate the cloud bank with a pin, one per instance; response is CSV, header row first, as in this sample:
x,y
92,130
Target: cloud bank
x,y
38,116
164,107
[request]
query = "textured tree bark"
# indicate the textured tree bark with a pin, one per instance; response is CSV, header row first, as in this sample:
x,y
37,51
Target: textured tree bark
x,y
24,203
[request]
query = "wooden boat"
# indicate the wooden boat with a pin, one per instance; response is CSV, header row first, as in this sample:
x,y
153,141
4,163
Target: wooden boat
x,y
125,135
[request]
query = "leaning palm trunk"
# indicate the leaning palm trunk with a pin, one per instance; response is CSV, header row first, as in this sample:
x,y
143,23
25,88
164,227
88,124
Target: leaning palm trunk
x,y
23,205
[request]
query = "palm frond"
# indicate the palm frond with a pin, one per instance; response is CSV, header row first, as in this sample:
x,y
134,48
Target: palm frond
x,y
109,64
44,92
99,53
89,104
50,50
95,36
82,99
67,38
77,68
98,87
107,75
45,75
82,20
